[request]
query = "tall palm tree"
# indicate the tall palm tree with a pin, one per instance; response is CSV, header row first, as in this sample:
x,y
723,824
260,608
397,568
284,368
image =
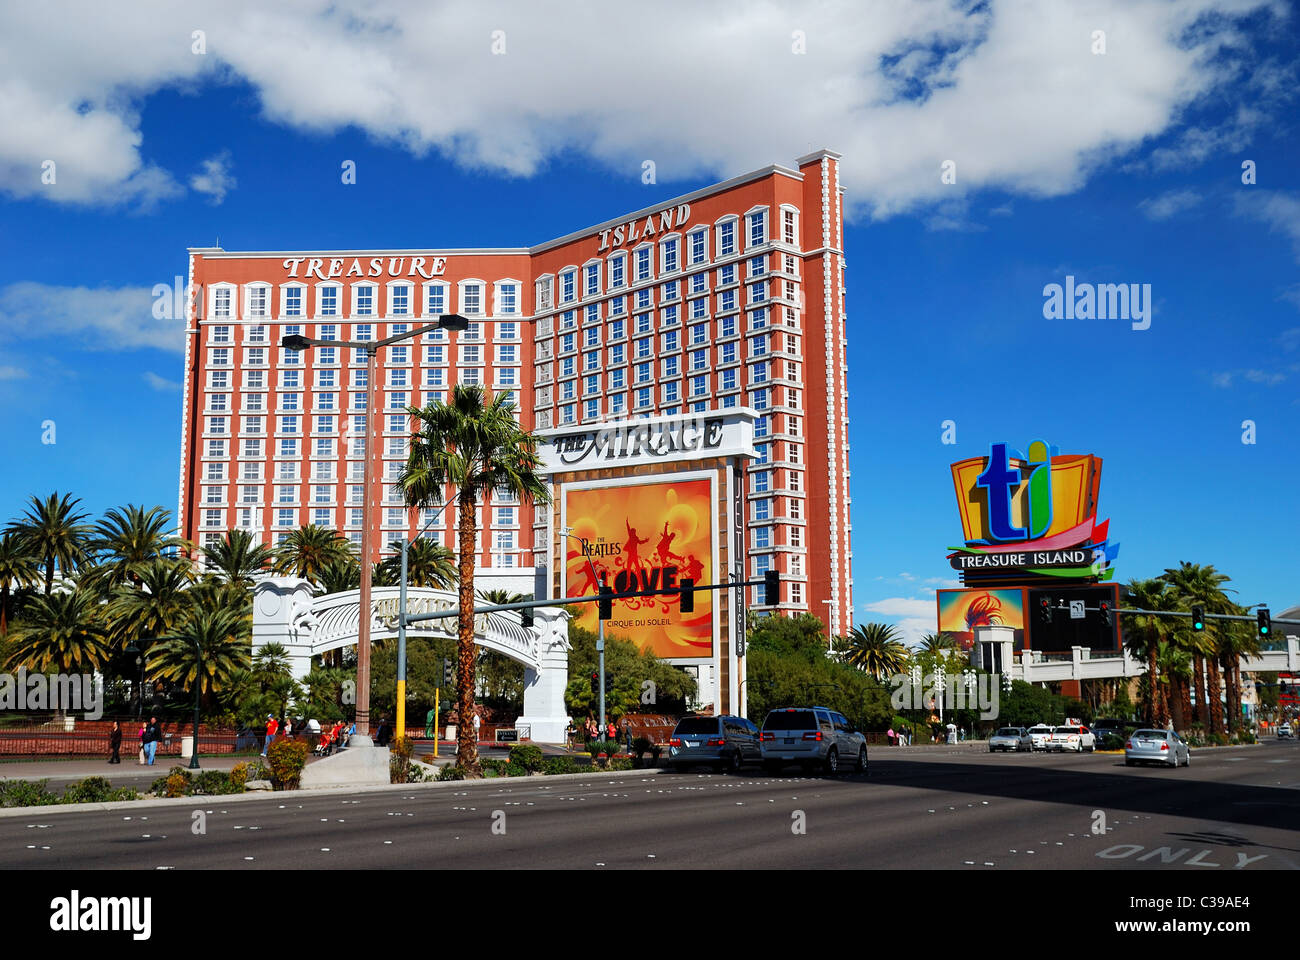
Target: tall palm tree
x,y
473,444
876,648
1146,635
55,533
210,648
237,557
124,541
937,643
157,608
17,570
1201,584
428,563
343,573
61,633
1237,640
1175,666
307,551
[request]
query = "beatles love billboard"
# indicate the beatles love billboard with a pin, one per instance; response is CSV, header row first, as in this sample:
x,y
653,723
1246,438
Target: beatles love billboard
x,y
644,536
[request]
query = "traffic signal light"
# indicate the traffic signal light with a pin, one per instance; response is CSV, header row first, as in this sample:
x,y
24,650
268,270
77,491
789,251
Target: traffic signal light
x,y
609,681
771,588
1198,619
1265,621
1044,610
605,604
446,672
1105,613
595,678
688,595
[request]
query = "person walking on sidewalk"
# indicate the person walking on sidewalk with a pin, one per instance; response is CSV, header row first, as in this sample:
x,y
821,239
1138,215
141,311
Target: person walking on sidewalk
x,y
271,727
115,742
151,737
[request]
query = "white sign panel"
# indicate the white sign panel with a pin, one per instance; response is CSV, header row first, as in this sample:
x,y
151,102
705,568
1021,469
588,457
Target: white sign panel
x,y
632,443
1076,610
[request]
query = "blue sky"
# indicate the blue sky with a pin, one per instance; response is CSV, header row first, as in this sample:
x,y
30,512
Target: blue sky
x,y
1122,166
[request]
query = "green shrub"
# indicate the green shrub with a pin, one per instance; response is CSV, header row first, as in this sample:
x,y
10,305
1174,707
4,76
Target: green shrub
x,y
96,790
492,767
1248,737
287,758
451,773
607,747
641,746
25,793
527,755
625,763
239,776
513,769
399,760
555,765
1111,741
1218,740
256,770
215,783
175,784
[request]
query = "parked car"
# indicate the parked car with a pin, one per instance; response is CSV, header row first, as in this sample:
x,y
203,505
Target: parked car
x,y
1011,738
1076,739
1284,732
1039,735
727,743
813,737
1157,746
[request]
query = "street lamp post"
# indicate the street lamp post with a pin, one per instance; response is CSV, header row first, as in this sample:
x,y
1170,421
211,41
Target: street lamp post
x,y
600,629
450,321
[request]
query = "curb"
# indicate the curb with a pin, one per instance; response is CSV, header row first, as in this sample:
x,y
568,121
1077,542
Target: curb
x,y
153,803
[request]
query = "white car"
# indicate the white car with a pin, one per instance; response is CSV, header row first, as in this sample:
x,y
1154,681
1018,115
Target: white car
x,y
1076,739
1039,735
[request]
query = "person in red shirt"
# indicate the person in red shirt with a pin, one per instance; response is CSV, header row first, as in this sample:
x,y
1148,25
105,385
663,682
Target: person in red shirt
x,y
271,728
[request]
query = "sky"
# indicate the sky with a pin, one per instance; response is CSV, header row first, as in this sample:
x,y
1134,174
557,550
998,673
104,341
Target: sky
x,y
990,149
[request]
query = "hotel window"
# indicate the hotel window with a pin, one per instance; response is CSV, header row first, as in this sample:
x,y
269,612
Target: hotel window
x,y
591,410
221,357
762,507
569,390
508,301
327,331
618,403
762,537
699,386
760,427
796,536
544,293
643,299
758,399
699,246
286,494
796,570
293,301
508,354
642,263
324,447
671,367
400,300
591,361
670,315
617,306
669,291
435,299
324,424
792,452
617,271
591,279
398,401
216,424
792,426
250,494
288,401
758,292
726,301
761,479
220,335
568,283
256,356
699,359
591,384
219,379
435,378
644,347
643,398
643,324
728,353
508,376
508,331
397,423
591,313
396,447
792,398
436,354
212,518
617,354
758,346
668,254
252,425
288,424
699,309
506,516
470,354
217,402
328,301
727,275
592,337
472,298
568,414
644,373
288,448
789,227
672,392
726,238
729,379
757,266
795,508
794,480
699,282
671,340
617,379
727,327
617,330
568,343
252,448
567,367
757,227
221,303
568,320
363,300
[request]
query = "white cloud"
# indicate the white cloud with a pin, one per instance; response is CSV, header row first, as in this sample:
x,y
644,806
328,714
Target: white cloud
x,y
215,180
161,384
13,373
1007,90
1278,210
1169,203
108,318
1227,377
902,607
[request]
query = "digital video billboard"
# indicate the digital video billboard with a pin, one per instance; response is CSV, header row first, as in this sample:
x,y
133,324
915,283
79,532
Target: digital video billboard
x,y
644,536
961,611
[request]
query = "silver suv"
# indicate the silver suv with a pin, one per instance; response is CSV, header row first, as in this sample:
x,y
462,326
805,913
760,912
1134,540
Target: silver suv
x,y
726,743
813,737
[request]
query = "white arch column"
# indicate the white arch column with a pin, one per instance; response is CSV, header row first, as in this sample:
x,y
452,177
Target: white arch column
x,y
544,710
282,614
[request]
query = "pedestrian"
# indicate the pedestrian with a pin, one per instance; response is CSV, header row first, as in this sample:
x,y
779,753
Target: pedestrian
x,y
142,731
627,734
611,731
477,723
271,727
115,742
893,741
151,737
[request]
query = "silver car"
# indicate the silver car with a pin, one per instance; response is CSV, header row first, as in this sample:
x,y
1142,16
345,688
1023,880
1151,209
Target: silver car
x,y
813,737
1157,746
725,743
1010,738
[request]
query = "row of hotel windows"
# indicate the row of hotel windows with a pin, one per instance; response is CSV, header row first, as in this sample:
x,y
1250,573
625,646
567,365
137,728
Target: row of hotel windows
x,y
673,363
219,333
364,299
505,551
644,400
698,333
616,268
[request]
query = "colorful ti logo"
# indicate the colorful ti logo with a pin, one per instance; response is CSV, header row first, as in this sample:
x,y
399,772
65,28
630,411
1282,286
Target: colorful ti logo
x,y
1003,481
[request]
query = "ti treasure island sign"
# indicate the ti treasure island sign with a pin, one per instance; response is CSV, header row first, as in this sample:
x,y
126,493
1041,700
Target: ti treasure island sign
x,y
642,505
1032,544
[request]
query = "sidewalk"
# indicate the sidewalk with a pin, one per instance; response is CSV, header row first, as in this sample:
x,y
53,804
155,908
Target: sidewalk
x,y
54,769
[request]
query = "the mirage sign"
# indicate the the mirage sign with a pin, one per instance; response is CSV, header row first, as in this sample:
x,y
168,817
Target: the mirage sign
x,y
630,443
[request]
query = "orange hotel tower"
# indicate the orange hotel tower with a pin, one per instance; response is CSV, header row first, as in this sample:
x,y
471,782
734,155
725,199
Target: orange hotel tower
x,y
730,296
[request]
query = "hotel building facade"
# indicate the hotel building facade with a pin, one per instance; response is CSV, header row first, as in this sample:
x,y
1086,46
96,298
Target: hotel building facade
x,y
730,296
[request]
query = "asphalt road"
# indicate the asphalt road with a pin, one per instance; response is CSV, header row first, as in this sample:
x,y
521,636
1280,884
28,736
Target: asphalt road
x,y
1233,809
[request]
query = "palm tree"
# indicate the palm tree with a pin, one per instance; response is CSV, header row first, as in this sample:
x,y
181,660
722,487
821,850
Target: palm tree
x,y
498,596
1146,635
428,564
210,648
475,445
17,570
125,541
1202,584
59,633
1175,666
937,644
1237,640
307,551
876,648
237,557
53,532
162,602
340,574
